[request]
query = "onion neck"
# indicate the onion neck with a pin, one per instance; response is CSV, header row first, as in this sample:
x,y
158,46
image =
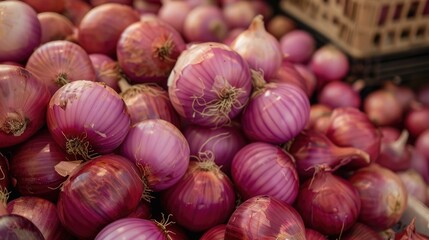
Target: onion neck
x,y
399,145
14,124
257,25
80,146
62,79
164,48
206,162
258,81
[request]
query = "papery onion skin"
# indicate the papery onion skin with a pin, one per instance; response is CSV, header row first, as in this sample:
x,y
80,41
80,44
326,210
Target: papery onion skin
x,y
361,231
23,102
14,226
20,31
382,194
311,234
210,84
203,198
102,190
410,232
55,64
106,70
215,233
265,169
42,213
54,26
318,203
87,118
132,228
265,217
160,150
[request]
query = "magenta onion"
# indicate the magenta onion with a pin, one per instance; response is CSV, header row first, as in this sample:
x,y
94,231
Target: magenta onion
x,y
223,143
160,150
287,73
101,28
350,127
259,48
42,213
416,120
265,217
395,154
20,31
87,118
203,198
14,226
215,233
361,231
23,102
102,190
311,234
205,23
422,144
148,50
276,112
106,70
32,167
55,64
329,63
54,26
265,169
382,194
314,152
339,94
210,84
298,46
239,14
174,13
414,184
75,10
383,108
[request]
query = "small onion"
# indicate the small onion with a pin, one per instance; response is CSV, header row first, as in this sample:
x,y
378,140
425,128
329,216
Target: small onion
x,y
265,169
311,234
298,46
14,226
383,107
54,26
318,113
106,70
102,190
87,118
329,63
203,198
55,64
416,120
23,102
265,217
160,150
174,13
279,25
339,94
361,231
239,14
215,233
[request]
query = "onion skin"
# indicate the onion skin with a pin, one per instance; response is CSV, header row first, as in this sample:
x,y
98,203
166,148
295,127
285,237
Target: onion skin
x,y
419,163
383,196
361,231
133,228
20,31
318,111
102,190
203,198
410,232
55,63
14,226
309,77
311,234
422,144
143,210
265,217
100,2
54,26
215,233
23,102
265,169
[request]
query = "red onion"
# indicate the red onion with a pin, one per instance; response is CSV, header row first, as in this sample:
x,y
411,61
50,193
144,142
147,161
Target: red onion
x,y
404,94
203,198
99,2
311,234
279,25
75,10
309,77
314,152
265,169
102,190
350,127
205,23
259,48
329,63
160,150
382,107
361,231
54,26
42,213
287,73
410,232
276,112
4,174
416,120
223,143
87,118
174,13
106,70
148,50
20,31
419,163
339,94
23,102
46,5
298,46
210,84
14,226
55,63
215,233
395,154
422,144
265,217
382,194
101,28
239,14
414,184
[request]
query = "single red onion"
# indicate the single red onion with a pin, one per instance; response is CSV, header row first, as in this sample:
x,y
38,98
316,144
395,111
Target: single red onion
x,y
175,13
287,73
395,154
276,112
55,64
5,177
223,143
416,120
205,23
100,2
203,198
382,194
14,226
383,108
265,217
410,232
339,94
210,84
54,26
414,184
422,143
215,233
87,118
42,213
75,10
419,163
361,231
265,169
148,50
239,14
350,127
318,111
259,48
101,28
21,31
309,77
106,70
47,5
298,46
313,152
160,150
23,102
329,63
279,25
311,234
102,190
